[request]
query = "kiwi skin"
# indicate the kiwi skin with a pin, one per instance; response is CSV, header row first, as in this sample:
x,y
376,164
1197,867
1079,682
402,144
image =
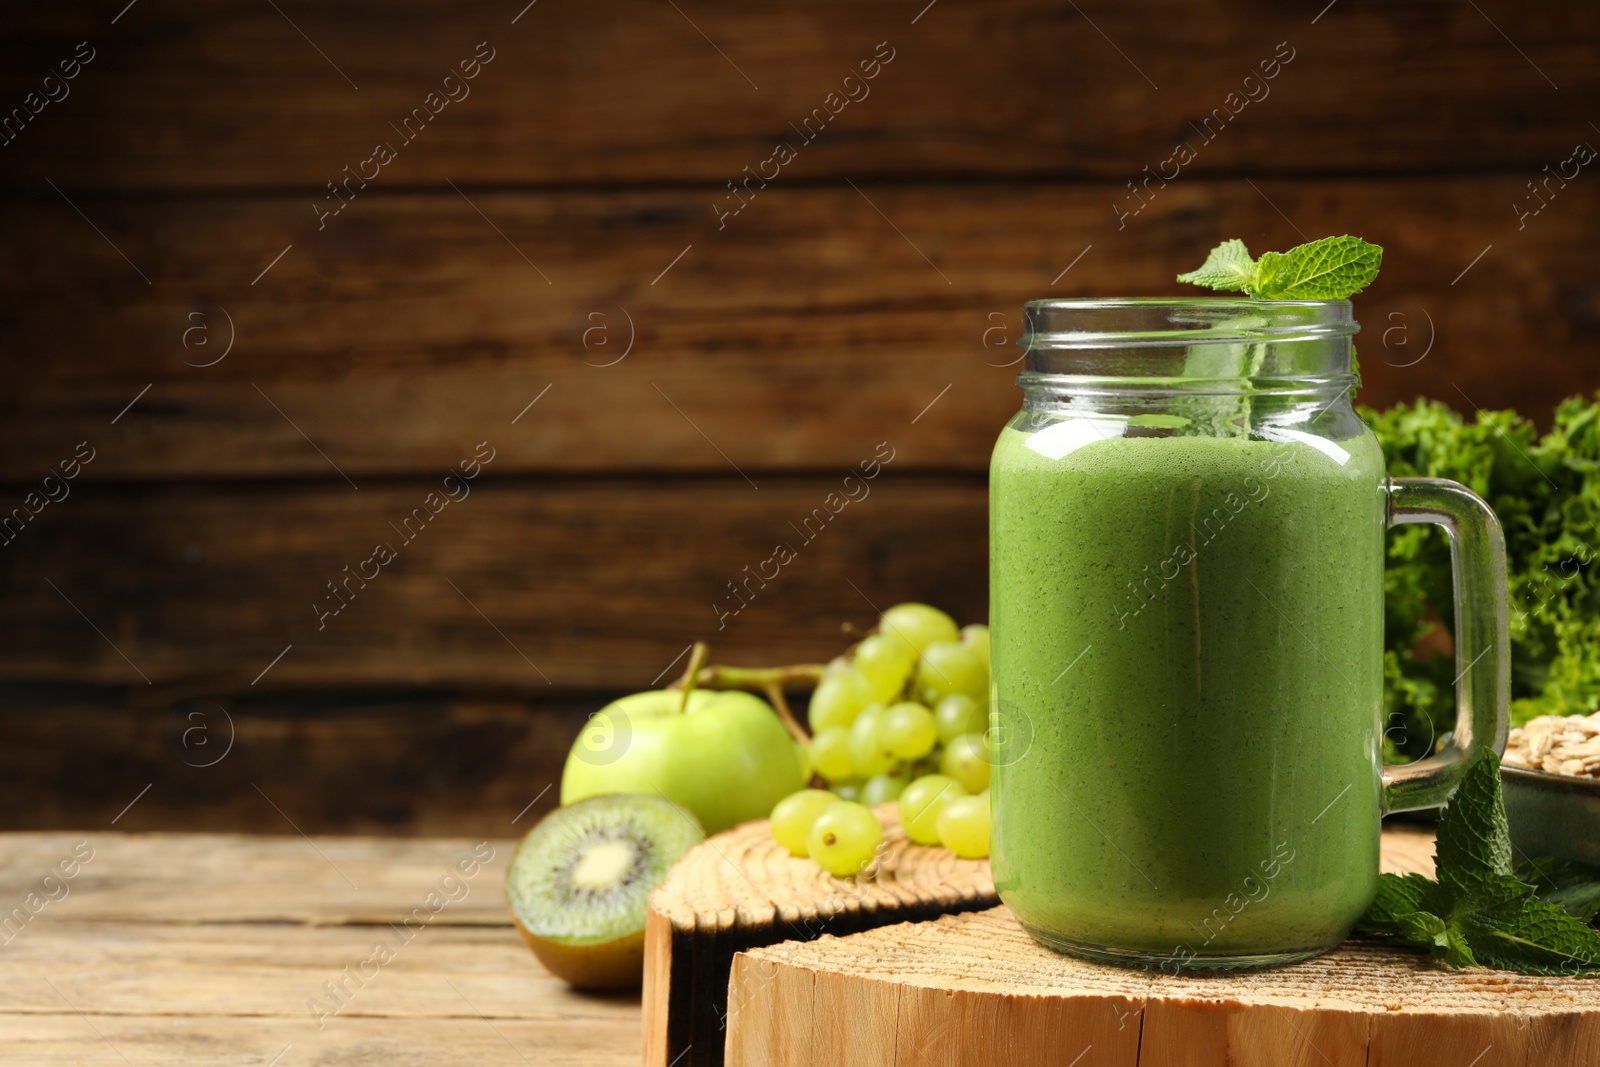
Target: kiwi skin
x,y
586,954
607,966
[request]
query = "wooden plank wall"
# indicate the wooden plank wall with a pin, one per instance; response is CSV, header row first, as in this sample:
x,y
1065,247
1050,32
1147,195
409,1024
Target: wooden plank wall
x,y
278,305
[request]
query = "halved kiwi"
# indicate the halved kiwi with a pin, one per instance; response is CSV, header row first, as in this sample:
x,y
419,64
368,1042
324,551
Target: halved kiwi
x,y
577,884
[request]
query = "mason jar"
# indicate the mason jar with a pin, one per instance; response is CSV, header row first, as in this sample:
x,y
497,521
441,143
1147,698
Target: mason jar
x,y
1186,605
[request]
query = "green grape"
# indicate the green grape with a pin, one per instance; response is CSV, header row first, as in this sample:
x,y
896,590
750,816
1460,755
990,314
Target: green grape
x,y
959,714
838,700
830,754
948,668
966,759
845,838
885,664
964,827
803,754
908,731
793,815
866,743
921,804
882,788
918,625
976,637
846,790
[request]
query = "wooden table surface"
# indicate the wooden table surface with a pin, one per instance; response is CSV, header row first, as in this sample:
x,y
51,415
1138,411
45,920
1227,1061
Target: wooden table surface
x,y
217,949
265,951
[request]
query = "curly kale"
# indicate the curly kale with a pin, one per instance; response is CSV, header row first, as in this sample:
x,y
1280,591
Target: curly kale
x,y
1546,491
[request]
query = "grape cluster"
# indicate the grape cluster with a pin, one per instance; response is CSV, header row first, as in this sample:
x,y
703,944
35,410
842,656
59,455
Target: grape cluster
x,y
902,717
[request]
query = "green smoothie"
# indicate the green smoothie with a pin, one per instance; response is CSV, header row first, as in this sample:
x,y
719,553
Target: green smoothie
x,y
1187,654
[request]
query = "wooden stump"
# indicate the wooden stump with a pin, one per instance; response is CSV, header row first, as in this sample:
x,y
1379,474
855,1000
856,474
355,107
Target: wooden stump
x,y
741,890
976,989
752,951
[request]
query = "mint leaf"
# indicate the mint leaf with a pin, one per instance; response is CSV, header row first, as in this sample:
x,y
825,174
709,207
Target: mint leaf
x,y
1539,938
1399,897
1228,267
1474,843
1158,422
1333,268
1444,940
1458,950
1571,886
1425,930
1496,901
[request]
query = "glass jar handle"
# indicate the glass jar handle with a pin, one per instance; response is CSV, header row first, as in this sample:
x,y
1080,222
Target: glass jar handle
x,y
1483,654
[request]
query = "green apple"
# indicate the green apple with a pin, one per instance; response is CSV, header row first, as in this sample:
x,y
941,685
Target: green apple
x,y
726,757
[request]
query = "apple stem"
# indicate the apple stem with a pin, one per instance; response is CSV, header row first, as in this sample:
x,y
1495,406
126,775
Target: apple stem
x,y
697,659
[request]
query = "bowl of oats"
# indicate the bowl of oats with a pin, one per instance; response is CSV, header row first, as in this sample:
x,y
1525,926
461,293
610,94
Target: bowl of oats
x,y
1551,778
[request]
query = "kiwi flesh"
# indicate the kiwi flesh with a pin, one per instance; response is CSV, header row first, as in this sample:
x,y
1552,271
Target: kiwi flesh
x,y
578,883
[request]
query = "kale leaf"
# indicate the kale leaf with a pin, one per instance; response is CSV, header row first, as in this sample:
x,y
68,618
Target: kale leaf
x,y
1546,491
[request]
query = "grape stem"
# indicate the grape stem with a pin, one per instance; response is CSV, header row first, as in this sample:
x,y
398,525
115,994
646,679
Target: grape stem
x,y
769,681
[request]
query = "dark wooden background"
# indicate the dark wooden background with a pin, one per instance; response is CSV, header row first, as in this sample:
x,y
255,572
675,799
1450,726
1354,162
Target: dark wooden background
x,y
561,215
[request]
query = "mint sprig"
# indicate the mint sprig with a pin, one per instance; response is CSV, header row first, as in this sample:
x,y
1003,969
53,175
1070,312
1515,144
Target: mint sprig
x,y
1334,268
1478,913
